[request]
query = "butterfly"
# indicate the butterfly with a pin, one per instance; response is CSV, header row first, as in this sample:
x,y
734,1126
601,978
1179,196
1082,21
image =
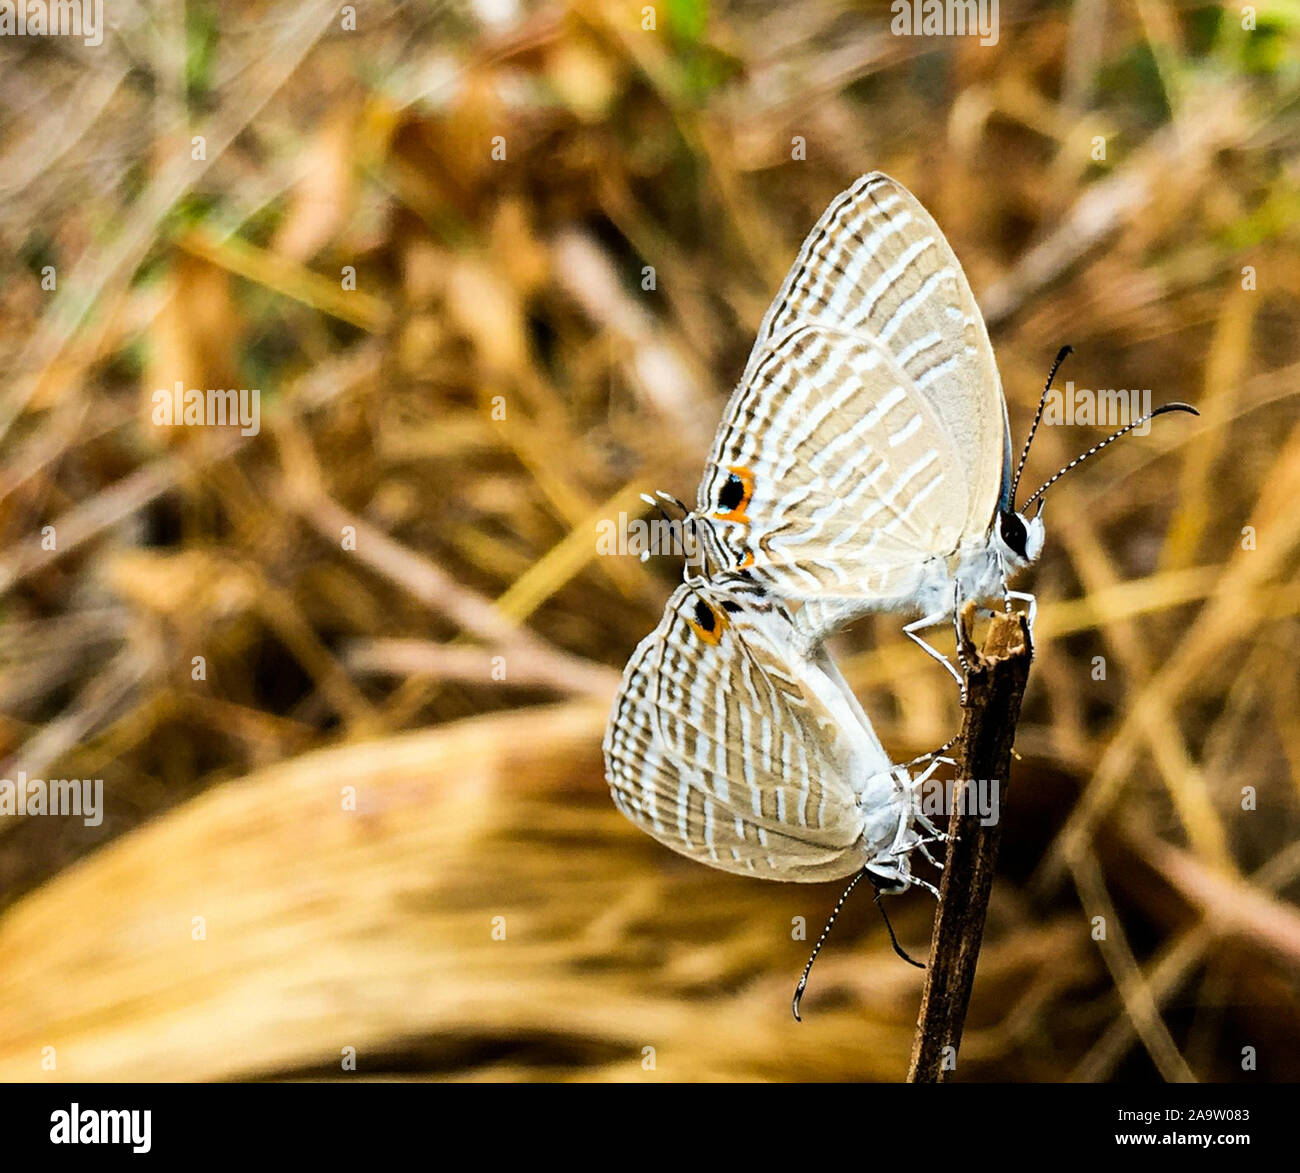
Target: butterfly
x,y
731,747
863,462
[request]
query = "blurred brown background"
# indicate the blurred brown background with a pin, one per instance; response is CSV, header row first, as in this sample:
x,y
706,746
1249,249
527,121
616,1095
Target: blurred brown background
x,y
394,585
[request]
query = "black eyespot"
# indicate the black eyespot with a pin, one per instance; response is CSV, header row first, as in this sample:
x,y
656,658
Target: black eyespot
x,y
1013,533
732,492
730,606
704,615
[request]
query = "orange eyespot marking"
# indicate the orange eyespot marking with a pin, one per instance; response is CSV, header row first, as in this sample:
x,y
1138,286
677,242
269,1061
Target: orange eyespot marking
x,y
734,496
747,561
708,622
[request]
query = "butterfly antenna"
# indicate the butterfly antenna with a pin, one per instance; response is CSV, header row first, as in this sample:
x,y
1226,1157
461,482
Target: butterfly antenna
x,y
807,969
689,517
893,939
1061,356
1038,492
656,504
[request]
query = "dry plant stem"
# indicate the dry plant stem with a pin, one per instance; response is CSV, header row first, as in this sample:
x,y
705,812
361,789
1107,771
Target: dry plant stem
x,y
995,684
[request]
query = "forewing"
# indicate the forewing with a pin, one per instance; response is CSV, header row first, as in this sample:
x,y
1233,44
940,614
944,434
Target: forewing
x,y
877,266
853,480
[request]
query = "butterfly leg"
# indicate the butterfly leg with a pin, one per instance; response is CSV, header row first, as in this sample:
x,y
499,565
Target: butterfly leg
x,y
926,885
922,842
921,845
925,851
901,874
914,785
910,630
935,755
936,834
1031,603
1002,578
956,631
1031,606
930,825
906,838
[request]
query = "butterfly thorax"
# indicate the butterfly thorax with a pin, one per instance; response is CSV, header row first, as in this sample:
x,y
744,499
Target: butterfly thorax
x,y
976,569
885,808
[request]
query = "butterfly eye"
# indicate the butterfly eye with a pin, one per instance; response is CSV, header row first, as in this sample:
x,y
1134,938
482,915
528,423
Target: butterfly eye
x,y
1013,533
734,496
708,622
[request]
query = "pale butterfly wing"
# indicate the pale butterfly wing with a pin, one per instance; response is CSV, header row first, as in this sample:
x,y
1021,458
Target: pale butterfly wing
x,y
728,747
878,265
848,479
876,269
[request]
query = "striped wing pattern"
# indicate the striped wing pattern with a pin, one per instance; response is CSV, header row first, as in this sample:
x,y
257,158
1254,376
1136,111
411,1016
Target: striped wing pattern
x,y
873,349
853,477
721,747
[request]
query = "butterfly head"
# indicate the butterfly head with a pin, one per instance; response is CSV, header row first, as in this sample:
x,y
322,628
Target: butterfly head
x,y
711,553
1018,538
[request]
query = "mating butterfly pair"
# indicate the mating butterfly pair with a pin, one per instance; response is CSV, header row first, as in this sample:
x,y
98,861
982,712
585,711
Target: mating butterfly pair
x,y
863,464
